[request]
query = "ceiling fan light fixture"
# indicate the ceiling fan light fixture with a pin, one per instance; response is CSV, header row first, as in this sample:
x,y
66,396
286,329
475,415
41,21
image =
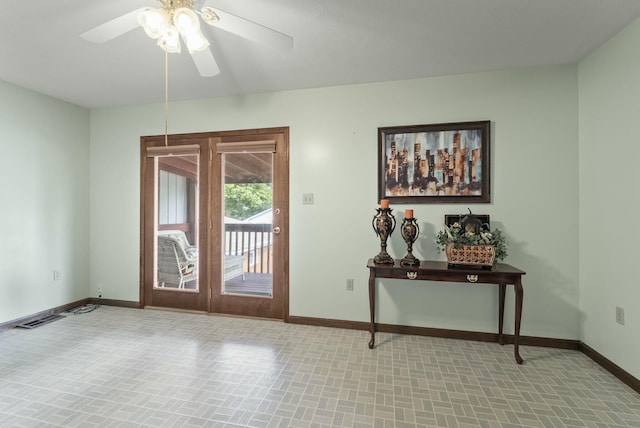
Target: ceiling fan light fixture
x,y
186,21
170,40
209,15
154,21
196,42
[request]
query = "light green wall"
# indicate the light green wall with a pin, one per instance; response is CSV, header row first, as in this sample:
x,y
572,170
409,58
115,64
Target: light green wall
x,y
44,219
334,155
610,198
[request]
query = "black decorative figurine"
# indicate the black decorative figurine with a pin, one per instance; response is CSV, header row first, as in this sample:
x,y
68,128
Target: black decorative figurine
x,y
383,224
410,232
472,224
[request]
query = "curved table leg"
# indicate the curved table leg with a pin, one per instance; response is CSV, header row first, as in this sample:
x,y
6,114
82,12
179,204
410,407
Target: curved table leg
x,y
372,307
502,288
518,315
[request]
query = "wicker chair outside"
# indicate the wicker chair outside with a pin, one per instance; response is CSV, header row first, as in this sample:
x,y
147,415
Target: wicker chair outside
x,y
174,265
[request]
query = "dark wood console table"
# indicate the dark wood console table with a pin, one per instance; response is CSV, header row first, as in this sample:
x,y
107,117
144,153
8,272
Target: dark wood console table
x,y
501,274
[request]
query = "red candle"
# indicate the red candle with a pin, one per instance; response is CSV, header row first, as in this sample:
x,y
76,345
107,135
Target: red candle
x,y
408,213
384,203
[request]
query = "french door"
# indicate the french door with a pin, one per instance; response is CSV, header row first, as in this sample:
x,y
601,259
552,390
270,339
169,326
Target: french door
x,y
214,222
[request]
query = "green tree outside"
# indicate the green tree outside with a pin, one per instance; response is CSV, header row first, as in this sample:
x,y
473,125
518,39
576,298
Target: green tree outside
x,y
247,199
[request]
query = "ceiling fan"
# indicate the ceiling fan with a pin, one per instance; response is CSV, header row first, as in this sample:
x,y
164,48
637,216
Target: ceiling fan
x,y
176,19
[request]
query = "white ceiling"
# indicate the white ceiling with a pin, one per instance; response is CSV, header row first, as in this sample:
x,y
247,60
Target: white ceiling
x,y
336,42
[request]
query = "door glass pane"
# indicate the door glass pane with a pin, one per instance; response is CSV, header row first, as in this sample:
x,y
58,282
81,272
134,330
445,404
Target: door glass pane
x,y
247,239
176,225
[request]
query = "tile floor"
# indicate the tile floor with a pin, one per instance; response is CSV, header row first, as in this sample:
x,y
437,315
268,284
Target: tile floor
x,y
118,367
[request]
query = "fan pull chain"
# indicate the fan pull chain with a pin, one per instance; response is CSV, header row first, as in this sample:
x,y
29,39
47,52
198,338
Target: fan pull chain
x,y
166,98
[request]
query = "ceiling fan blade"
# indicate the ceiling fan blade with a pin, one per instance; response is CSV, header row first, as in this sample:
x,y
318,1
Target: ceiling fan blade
x,y
205,63
252,31
114,28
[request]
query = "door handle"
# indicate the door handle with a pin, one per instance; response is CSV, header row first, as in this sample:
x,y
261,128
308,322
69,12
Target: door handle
x,y
276,230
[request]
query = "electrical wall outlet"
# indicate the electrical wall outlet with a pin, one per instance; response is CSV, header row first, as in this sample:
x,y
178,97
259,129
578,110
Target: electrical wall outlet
x,y
349,284
99,290
620,315
307,199
57,276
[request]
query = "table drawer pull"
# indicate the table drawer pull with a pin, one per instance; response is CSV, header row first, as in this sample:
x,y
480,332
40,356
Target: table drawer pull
x,y
412,275
472,278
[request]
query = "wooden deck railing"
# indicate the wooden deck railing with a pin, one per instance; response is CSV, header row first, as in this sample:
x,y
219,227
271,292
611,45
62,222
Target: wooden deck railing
x,y
247,238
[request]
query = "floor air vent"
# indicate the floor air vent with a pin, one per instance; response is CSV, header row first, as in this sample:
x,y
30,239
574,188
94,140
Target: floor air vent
x,y
41,321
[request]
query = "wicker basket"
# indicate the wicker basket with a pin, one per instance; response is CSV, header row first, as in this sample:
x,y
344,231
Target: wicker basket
x,y
471,255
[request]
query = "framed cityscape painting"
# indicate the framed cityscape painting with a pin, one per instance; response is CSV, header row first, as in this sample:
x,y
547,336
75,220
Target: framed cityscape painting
x,y
439,163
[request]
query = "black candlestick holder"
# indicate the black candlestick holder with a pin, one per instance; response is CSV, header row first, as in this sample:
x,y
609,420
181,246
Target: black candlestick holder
x,y
410,232
383,224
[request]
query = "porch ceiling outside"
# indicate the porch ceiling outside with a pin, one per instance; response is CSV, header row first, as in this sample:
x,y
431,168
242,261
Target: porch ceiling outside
x,y
239,167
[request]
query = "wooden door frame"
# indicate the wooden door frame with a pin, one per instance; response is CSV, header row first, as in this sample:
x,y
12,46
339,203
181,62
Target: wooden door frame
x,y
282,184
200,301
261,306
